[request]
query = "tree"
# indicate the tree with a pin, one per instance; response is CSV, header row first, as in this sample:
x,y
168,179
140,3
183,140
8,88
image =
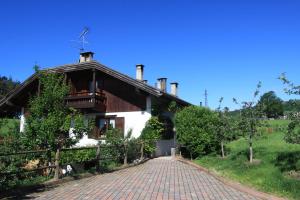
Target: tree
x,y
271,105
195,130
224,127
293,133
6,85
115,138
250,121
51,124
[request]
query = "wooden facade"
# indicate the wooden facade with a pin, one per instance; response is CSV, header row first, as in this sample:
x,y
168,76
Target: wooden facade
x,y
94,91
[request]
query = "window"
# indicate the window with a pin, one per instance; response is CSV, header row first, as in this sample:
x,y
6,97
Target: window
x,y
103,123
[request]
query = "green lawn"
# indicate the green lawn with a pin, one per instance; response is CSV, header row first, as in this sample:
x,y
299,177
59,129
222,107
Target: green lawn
x,y
276,159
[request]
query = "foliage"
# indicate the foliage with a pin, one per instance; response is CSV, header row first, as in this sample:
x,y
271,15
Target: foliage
x,y
277,158
195,130
225,127
293,132
150,134
6,85
8,126
250,119
77,156
271,105
292,105
11,143
125,148
50,120
173,107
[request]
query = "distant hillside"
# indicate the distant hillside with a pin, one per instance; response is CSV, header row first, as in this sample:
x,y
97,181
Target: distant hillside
x,y
292,105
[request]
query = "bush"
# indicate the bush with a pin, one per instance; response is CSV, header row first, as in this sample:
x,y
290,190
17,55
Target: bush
x,y
150,134
293,133
195,130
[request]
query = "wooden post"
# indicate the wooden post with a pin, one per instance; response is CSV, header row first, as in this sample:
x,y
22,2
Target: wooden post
x,y
48,161
142,151
98,159
94,86
57,167
125,153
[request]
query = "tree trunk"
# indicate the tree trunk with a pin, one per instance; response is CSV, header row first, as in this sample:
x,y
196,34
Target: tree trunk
x,y
191,155
250,144
57,168
222,149
251,154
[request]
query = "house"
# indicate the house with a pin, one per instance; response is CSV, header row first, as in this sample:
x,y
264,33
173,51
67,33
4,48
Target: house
x,y
112,98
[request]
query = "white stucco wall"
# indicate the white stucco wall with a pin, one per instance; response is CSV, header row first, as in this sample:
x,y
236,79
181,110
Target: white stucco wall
x,y
22,120
135,120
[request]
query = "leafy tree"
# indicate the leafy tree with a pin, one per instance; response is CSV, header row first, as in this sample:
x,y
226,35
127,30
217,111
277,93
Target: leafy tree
x,y
224,127
150,134
51,124
292,105
250,114
121,144
6,85
271,105
293,133
195,130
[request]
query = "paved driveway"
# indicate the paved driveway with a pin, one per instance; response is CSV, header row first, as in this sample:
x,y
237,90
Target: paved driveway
x,y
161,178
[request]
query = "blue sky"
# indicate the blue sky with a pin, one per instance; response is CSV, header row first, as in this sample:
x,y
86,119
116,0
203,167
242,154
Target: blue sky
x,y
223,46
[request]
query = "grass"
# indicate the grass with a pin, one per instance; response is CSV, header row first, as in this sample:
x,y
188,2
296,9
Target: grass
x,y
276,159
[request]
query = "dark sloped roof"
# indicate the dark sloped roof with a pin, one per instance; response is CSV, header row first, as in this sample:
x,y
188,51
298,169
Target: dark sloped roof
x,y
95,65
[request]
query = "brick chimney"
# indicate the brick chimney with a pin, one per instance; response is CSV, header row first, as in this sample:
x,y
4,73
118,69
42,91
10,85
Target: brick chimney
x,y
174,88
86,56
161,84
139,72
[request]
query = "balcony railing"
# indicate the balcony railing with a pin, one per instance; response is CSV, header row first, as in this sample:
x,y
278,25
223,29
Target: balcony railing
x,y
86,100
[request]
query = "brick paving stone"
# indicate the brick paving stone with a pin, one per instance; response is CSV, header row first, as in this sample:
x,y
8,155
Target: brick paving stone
x,y
160,178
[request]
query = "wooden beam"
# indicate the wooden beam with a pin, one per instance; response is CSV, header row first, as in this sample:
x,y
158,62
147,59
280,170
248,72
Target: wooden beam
x,y
94,82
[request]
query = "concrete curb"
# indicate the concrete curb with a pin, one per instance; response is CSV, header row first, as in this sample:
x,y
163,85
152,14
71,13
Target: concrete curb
x,y
49,184
233,184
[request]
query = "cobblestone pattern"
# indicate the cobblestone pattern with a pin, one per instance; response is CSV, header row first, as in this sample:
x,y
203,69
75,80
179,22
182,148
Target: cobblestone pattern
x,y
161,178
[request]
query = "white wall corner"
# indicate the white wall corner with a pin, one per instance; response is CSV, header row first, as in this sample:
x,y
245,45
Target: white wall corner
x,y
22,120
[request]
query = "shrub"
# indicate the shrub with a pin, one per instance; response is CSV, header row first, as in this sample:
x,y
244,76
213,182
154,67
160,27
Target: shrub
x,y
150,134
195,130
293,133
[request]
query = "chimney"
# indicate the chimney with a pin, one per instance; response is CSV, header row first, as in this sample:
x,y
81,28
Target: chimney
x,y
161,83
174,88
139,72
86,56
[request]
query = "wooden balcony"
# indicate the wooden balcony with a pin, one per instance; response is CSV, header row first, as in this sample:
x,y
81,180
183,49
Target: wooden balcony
x,y
92,101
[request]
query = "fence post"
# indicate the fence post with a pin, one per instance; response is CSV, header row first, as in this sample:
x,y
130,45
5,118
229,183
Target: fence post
x,y
57,167
142,151
48,170
125,153
98,159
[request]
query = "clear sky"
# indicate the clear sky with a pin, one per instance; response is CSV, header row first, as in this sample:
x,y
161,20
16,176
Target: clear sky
x,y
223,46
